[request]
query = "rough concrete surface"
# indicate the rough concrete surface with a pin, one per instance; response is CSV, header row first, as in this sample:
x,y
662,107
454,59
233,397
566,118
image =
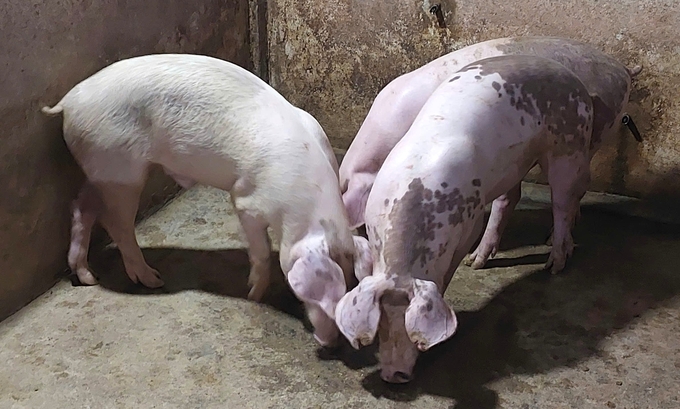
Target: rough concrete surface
x,y
604,334
332,58
48,47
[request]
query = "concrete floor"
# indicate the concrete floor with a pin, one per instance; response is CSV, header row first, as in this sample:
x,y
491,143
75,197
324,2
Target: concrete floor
x,y
602,335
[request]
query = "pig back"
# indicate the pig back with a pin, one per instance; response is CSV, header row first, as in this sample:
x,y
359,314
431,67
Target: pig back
x,y
177,104
607,80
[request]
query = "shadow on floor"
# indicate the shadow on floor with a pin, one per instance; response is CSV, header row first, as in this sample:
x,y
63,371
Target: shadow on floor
x,y
223,272
621,268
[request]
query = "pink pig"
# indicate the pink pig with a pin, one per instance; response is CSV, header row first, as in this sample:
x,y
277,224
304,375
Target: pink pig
x,y
397,105
475,138
208,121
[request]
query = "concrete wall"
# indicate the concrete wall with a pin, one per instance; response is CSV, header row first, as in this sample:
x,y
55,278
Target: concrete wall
x,y
47,47
332,58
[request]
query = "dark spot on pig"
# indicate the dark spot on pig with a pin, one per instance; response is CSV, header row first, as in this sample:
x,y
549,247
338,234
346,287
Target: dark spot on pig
x,y
521,120
496,86
455,218
604,77
429,306
478,77
444,185
509,89
500,95
354,301
322,273
476,182
604,117
387,202
454,78
469,67
441,204
414,223
548,91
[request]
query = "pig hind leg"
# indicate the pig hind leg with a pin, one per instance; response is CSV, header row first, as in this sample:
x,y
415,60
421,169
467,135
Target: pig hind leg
x,y
121,202
568,177
501,209
85,210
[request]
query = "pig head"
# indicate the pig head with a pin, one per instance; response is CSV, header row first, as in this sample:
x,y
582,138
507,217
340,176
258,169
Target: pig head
x,y
320,277
409,313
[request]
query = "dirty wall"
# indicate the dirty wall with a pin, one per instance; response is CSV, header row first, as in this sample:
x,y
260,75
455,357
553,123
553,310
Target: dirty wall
x,y
332,58
47,48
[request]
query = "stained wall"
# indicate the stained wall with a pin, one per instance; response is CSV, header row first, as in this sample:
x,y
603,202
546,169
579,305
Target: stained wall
x,y
332,58
47,48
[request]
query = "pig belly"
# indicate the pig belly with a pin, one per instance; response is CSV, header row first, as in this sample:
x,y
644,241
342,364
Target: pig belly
x,y
208,170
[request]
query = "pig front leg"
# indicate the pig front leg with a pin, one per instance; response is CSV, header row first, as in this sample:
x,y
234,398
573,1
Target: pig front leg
x,y
568,177
501,209
576,219
259,253
118,218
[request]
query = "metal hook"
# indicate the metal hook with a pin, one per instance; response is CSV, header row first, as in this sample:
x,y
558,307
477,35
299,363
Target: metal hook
x,y
437,11
628,121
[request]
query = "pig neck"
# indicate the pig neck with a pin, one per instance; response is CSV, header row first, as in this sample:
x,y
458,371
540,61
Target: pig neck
x,y
407,249
325,226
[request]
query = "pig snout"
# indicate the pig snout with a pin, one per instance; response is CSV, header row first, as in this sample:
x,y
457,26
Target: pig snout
x,y
326,332
391,376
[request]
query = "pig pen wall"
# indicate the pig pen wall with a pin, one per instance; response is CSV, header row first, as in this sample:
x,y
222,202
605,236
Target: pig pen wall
x,y
332,58
47,48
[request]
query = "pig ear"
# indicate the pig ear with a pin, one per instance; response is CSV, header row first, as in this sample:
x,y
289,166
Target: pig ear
x,y
428,320
317,280
358,312
363,259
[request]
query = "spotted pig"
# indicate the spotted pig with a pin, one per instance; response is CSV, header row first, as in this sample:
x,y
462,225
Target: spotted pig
x,y
396,106
476,137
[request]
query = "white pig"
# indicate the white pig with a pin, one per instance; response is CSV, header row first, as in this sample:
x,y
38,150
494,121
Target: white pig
x,y
211,122
477,136
397,105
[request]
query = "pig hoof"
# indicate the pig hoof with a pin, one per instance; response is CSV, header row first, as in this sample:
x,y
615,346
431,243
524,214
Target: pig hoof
x,y
478,260
86,277
256,294
556,270
470,259
479,263
554,266
152,279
